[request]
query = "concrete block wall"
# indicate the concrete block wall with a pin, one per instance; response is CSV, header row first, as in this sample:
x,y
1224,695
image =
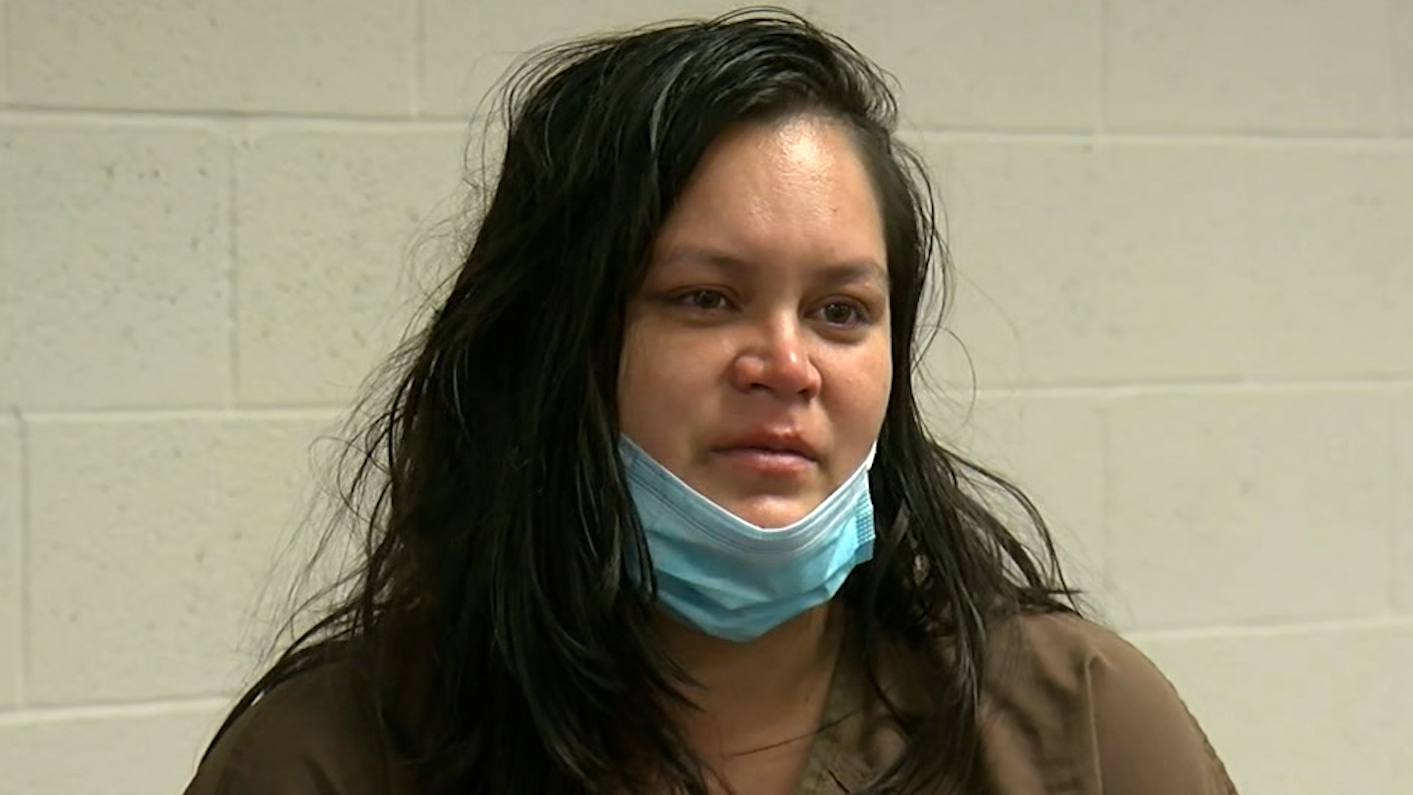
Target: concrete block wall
x,y
1185,311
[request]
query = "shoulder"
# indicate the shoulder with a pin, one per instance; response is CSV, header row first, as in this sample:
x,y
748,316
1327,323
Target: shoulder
x,y
1065,650
1082,705
313,733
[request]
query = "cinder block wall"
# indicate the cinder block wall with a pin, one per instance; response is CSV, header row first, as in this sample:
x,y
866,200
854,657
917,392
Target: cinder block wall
x,y
1184,230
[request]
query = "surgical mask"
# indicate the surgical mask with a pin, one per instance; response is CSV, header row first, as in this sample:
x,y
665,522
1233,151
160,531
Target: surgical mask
x,y
732,579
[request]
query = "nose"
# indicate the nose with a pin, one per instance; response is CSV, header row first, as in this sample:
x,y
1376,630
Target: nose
x,y
777,359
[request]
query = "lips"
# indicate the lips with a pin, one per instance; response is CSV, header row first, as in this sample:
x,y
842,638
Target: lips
x,y
782,441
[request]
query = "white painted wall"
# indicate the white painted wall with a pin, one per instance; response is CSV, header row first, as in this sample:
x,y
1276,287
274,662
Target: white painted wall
x,y
1185,235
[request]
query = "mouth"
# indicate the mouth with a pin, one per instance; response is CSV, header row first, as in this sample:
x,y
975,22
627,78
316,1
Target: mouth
x,y
784,444
766,463
770,453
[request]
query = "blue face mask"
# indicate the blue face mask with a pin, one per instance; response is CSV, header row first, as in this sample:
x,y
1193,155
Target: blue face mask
x,y
732,579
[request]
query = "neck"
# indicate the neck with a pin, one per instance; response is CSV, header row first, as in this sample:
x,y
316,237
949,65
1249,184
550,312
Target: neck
x,y
756,694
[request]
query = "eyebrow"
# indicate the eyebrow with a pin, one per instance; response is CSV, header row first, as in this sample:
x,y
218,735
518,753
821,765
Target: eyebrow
x,y
865,270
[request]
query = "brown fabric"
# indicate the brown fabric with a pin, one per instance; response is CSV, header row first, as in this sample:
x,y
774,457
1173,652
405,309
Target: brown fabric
x,y
1070,709
314,734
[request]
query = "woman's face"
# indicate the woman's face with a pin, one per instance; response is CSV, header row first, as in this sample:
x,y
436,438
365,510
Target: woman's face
x,y
757,362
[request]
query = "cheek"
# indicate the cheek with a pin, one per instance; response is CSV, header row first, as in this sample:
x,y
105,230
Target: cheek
x,y
630,379
879,392
662,365
653,388
868,374
866,384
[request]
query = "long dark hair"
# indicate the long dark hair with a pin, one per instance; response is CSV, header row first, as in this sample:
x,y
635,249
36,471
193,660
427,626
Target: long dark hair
x,y
495,613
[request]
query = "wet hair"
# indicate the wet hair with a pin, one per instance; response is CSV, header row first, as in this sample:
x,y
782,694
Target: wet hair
x,y
494,610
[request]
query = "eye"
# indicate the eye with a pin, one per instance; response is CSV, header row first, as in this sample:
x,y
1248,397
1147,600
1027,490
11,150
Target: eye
x,y
843,313
702,300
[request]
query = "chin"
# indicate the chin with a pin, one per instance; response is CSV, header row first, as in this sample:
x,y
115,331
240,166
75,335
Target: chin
x,y
771,512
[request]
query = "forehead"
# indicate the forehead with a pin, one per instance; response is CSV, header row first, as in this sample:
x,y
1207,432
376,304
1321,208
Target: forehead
x,y
793,189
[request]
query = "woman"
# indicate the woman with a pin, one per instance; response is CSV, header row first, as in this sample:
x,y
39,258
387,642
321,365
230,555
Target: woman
x,y
653,509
